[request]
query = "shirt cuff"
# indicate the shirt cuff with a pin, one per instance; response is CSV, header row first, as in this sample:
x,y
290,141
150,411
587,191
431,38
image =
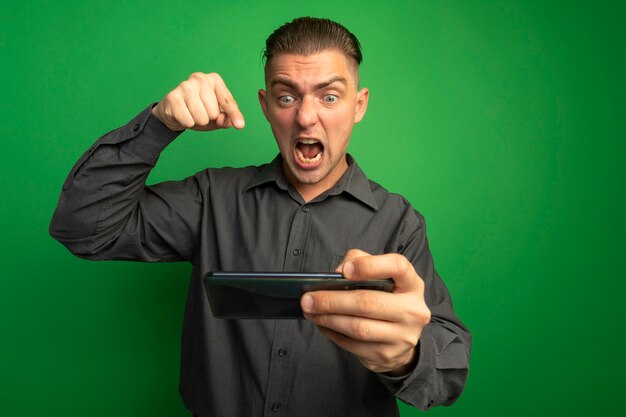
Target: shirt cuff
x,y
419,375
149,135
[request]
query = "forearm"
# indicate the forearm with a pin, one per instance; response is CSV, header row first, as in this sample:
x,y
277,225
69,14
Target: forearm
x,y
441,369
105,185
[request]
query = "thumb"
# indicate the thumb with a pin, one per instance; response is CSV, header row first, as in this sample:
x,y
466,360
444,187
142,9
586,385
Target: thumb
x,y
351,255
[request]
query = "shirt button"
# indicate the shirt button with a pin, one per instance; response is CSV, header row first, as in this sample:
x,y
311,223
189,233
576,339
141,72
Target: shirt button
x,y
305,209
275,407
136,127
296,252
282,352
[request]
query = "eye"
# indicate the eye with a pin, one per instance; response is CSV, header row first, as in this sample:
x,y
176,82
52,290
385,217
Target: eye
x,y
285,99
330,98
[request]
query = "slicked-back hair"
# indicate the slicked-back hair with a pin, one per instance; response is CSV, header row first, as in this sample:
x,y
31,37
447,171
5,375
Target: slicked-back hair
x,y
311,35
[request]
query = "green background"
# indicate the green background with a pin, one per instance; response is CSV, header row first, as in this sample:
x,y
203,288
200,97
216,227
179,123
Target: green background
x,y
501,121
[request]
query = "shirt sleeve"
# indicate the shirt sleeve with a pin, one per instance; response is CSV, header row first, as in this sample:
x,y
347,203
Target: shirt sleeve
x,y
445,343
106,211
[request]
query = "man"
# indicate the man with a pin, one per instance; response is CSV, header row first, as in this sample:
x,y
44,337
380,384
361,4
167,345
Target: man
x,y
313,210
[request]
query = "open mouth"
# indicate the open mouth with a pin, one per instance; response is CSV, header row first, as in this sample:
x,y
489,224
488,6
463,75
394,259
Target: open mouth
x,y
309,151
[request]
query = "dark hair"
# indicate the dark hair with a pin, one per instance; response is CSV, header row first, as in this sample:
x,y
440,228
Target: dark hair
x,y
310,35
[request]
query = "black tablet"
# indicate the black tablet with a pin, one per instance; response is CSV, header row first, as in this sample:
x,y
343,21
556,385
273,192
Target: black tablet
x,y
273,295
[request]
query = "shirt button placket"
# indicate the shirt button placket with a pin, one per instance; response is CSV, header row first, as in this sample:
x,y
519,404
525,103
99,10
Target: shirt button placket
x,y
278,386
297,252
298,235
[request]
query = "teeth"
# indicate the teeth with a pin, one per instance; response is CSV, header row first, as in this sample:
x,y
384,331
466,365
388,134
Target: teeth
x,y
308,141
305,160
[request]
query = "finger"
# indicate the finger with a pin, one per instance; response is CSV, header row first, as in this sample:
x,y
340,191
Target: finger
x,y
227,103
207,95
197,110
365,329
179,112
222,122
377,305
376,356
390,265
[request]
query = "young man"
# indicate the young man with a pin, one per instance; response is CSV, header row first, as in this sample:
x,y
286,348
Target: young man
x,y
312,210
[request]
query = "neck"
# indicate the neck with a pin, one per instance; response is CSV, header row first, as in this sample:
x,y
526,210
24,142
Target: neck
x,y
309,191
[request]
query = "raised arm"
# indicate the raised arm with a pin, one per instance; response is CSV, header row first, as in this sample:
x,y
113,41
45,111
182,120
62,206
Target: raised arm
x,y
106,211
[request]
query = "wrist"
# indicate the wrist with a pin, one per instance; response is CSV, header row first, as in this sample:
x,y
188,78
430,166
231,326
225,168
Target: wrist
x,y
161,119
408,366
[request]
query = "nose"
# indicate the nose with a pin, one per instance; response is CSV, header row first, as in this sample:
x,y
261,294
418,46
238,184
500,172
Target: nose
x,y
307,112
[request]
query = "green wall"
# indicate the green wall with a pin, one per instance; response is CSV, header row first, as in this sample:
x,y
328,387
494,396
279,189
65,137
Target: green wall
x,y
501,121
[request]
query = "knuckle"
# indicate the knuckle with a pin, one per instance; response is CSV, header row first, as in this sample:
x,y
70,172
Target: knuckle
x,y
230,101
187,122
186,86
172,97
367,301
214,78
426,316
202,119
323,302
360,330
384,354
403,266
322,320
419,315
410,338
213,114
214,75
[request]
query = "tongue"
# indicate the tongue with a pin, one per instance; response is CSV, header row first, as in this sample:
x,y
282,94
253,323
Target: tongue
x,y
310,151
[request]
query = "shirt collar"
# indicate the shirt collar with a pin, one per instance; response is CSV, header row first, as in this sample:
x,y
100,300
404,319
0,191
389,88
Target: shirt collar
x,y
353,181
271,172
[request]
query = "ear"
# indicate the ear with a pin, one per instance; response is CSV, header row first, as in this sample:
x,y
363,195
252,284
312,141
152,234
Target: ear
x,y
262,95
361,104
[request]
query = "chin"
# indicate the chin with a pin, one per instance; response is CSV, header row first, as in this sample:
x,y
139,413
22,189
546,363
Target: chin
x,y
308,178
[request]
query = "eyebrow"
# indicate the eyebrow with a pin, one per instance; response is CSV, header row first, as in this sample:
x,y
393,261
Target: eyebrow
x,y
318,86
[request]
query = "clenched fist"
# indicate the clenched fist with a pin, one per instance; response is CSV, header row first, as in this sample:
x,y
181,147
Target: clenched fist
x,y
202,102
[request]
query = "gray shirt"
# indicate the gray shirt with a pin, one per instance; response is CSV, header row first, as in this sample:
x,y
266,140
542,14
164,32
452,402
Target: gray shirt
x,y
252,219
